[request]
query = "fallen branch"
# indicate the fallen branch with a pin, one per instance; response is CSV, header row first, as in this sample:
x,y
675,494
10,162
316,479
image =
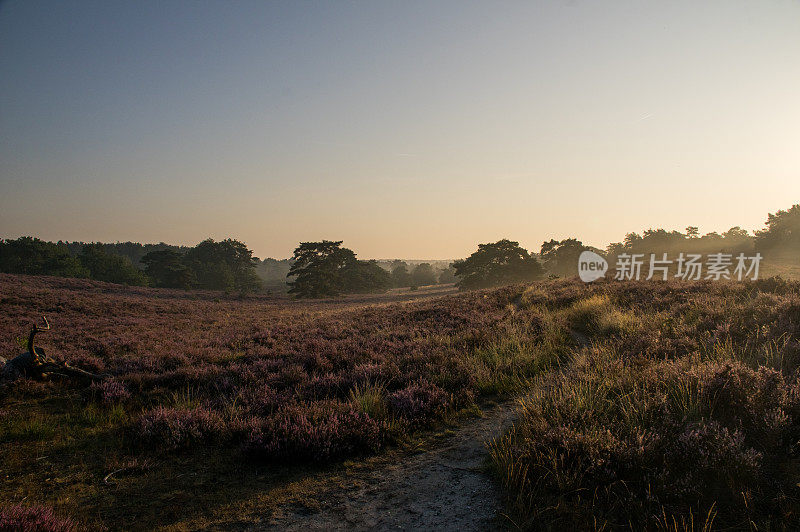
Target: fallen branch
x,y
36,365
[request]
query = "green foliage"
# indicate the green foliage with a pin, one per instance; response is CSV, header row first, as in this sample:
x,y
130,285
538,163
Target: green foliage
x,y
167,269
423,275
225,265
369,399
319,268
561,257
503,262
110,268
132,250
598,315
734,240
32,256
782,232
447,275
400,276
366,277
326,269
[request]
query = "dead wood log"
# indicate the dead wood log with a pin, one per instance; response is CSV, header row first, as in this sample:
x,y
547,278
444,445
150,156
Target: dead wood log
x,y
35,364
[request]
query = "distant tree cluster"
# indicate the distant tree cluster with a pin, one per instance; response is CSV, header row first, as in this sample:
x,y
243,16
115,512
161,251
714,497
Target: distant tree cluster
x,y
326,269
560,257
134,251
226,265
109,267
657,241
33,256
423,274
782,233
497,264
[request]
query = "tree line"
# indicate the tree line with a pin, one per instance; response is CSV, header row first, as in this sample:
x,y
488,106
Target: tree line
x,y
323,269
225,265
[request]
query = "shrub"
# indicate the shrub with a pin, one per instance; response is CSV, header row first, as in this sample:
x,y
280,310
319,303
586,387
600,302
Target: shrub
x,y
672,436
110,392
321,433
173,428
20,518
420,402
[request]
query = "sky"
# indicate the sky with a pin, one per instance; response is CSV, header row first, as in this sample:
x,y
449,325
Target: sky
x,y
407,129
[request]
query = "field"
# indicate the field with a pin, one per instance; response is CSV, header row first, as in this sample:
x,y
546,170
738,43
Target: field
x,y
618,404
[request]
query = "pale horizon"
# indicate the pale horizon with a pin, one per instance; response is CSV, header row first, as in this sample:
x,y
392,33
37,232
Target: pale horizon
x,y
405,130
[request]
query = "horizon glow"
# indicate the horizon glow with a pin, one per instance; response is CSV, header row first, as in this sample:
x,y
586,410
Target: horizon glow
x,y
412,129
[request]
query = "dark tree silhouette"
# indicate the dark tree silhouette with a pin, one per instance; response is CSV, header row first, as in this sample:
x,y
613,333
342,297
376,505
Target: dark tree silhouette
x,y
400,276
166,269
782,232
110,268
447,275
365,277
225,265
423,275
326,269
319,269
32,256
561,257
503,262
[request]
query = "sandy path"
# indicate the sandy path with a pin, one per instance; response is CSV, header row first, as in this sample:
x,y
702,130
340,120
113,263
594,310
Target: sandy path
x,y
444,488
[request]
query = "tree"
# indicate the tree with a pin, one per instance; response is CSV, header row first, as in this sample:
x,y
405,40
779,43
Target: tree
x,y
365,277
400,276
423,275
447,275
736,233
319,269
692,231
561,257
782,232
110,268
631,241
738,240
33,256
167,269
225,265
502,262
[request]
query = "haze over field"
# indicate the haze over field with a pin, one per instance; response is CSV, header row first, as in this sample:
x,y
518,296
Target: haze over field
x,y
412,129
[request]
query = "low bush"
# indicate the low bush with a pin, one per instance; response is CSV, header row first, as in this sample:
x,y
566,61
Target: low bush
x,y
320,433
20,518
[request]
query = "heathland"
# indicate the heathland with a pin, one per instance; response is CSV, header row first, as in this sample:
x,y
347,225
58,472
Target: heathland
x,y
638,404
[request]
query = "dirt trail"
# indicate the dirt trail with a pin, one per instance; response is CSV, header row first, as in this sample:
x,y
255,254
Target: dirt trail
x,y
443,488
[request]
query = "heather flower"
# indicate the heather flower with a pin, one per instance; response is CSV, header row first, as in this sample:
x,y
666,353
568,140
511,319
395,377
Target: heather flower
x,y
419,402
110,391
20,518
318,434
172,428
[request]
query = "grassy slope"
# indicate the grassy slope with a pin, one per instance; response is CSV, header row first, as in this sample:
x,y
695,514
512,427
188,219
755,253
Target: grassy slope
x,y
682,413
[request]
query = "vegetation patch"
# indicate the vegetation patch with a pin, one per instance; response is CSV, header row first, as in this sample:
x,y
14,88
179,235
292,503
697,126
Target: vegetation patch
x,y
652,430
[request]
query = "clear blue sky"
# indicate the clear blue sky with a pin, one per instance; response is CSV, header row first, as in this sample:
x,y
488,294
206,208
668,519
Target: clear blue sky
x,y
408,129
